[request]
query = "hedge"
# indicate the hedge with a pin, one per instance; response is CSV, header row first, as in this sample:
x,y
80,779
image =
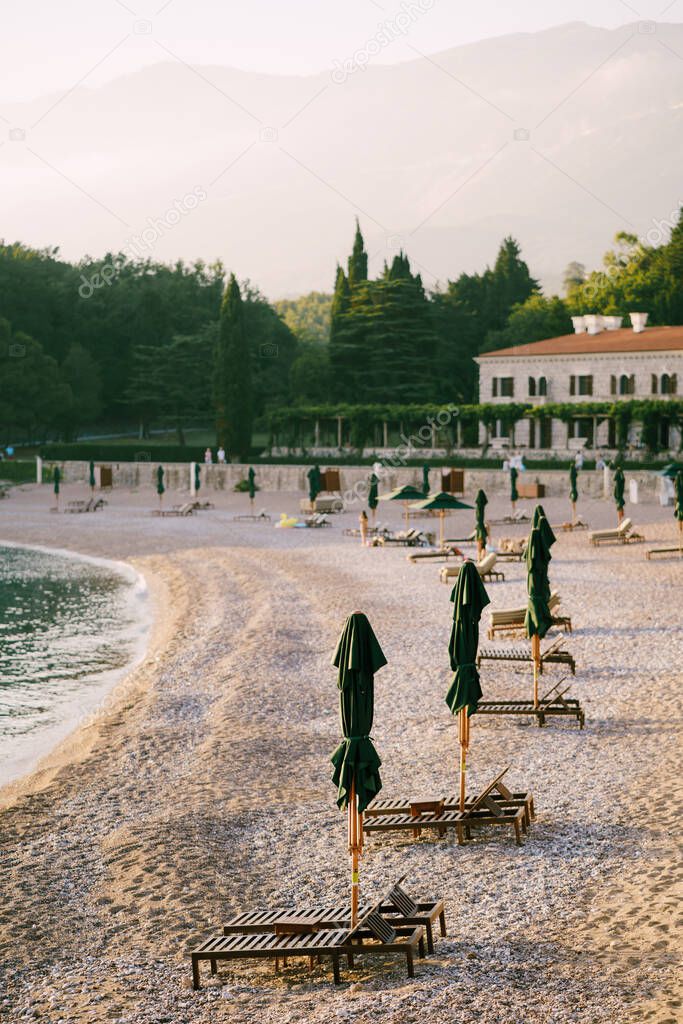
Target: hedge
x,y
103,452
18,472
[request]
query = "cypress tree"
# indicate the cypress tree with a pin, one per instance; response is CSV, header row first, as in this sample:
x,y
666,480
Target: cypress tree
x,y
358,260
233,398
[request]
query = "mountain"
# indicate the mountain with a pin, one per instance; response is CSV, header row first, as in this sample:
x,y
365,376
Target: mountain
x,y
561,138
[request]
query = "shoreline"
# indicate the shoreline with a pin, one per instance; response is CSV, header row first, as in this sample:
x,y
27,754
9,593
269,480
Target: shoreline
x,y
76,730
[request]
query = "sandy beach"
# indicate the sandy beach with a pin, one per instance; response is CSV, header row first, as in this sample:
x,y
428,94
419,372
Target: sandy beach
x,y
203,786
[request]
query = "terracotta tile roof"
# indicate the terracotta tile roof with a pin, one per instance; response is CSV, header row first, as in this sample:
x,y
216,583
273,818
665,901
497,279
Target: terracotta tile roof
x,y
652,339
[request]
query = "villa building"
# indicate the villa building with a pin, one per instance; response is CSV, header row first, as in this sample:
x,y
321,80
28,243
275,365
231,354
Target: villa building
x,y
601,362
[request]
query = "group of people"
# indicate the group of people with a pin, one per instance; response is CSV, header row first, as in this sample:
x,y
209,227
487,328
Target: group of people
x,y
208,456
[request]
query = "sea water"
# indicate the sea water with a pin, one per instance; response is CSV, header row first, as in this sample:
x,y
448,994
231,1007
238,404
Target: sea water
x,y
70,628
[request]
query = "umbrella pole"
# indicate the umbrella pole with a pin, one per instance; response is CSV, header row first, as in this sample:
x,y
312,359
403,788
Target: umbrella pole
x,y
573,512
405,506
464,744
680,537
355,844
442,516
536,655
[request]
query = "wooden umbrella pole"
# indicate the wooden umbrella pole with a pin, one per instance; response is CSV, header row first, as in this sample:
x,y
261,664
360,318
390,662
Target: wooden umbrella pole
x,y
405,506
464,744
536,655
442,516
354,849
573,512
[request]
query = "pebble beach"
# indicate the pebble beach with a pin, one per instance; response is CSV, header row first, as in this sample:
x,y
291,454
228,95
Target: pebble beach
x,y
202,786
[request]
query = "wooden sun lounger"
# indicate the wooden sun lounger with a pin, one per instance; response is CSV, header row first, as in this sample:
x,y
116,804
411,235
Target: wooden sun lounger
x,y
373,935
552,656
177,510
521,516
441,555
409,538
317,520
201,506
662,551
624,534
261,516
511,620
398,907
452,803
511,549
578,524
484,809
553,704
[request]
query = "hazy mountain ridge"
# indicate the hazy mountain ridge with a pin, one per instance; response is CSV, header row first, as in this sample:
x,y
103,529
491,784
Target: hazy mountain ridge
x,y
397,144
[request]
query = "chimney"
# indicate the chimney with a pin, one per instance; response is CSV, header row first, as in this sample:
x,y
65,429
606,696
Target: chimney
x,y
638,322
612,323
579,323
593,323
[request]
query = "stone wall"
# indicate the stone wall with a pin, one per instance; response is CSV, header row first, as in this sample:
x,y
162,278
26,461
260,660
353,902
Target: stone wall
x,y
141,476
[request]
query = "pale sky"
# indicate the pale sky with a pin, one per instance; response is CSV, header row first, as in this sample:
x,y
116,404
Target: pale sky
x,y
48,46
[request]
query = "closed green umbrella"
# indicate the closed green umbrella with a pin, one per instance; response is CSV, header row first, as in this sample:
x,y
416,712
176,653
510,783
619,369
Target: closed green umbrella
x,y
618,492
91,477
405,494
514,495
573,489
160,483
425,481
678,507
197,478
469,599
252,486
540,521
314,483
57,476
372,495
480,503
538,619
672,469
356,762
441,503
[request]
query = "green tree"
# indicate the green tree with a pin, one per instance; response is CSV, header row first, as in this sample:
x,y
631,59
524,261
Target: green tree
x,y
34,398
358,260
308,317
232,377
537,318
81,373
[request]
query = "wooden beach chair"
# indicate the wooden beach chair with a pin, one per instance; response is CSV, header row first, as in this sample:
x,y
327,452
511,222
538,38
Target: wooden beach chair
x,y
511,620
373,935
486,570
451,802
511,549
398,907
317,520
406,538
662,551
186,509
624,534
484,809
201,506
553,655
553,704
441,554
568,526
79,506
261,516
520,516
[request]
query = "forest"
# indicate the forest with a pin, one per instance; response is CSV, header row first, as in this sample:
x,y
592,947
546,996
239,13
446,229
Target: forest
x,y
113,345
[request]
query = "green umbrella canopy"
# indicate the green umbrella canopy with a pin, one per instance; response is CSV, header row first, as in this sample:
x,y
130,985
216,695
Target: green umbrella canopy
x,y
440,502
538,619
358,657
160,480
91,478
252,486
514,496
573,491
314,482
197,477
678,490
372,493
469,599
57,476
540,522
480,503
406,493
425,481
672,469
619,487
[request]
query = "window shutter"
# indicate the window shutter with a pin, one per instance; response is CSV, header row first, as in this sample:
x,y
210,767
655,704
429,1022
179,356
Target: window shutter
x,y
494,387
654,383
572,385
674,384
613,385
632,384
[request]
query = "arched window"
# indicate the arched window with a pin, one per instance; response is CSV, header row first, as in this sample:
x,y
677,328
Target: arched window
x,y
532,387
665,384
624,385
542,386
